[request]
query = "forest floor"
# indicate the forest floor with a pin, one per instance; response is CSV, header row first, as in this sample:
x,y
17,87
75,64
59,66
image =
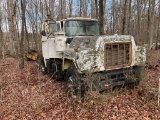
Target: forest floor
x,y
27,94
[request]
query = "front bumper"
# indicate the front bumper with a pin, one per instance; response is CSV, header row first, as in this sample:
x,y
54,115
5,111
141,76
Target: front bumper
x,y
107,79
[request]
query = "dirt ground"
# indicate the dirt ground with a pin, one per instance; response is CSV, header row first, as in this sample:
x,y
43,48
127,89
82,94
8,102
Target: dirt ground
x,y
27,94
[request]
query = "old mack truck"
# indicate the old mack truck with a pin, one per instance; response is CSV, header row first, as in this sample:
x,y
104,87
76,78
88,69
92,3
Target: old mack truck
x,y
72,48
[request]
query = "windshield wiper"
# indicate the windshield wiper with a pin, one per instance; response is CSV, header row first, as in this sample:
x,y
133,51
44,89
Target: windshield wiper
x,y
81,35
85,35
91,35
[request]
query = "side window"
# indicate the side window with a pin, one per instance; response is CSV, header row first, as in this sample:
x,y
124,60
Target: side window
x,y
58,27
62,25
43,26
52,28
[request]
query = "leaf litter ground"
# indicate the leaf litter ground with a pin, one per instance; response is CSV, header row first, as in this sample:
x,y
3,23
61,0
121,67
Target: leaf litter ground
x,y
27,94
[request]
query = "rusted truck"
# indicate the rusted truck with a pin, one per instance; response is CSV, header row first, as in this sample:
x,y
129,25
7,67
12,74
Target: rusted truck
x,y
73,49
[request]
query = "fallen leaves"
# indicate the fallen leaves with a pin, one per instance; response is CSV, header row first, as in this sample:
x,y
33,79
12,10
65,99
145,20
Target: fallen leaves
x,y
27,94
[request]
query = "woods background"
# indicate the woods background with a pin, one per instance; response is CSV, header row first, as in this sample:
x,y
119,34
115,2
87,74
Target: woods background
x,y
20,20
28,94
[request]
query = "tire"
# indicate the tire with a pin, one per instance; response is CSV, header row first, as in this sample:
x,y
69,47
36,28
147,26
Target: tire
x,y
139,73
41,65
136,76
73,82
93,83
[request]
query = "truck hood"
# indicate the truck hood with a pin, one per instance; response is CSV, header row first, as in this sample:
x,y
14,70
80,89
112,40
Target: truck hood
x,y
95,42
84,42
92,52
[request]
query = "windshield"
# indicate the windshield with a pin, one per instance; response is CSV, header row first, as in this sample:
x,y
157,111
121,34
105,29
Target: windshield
x,y
81,28
52,28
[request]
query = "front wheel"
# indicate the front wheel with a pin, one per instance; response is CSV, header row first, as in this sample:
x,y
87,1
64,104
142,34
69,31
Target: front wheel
x,y
71,78
41,64
73,82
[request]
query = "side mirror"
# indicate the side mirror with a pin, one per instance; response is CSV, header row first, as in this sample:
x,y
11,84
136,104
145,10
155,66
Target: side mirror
x,y
69,40
43,33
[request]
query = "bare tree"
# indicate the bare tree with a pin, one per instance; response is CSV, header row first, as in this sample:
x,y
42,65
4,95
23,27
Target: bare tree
x,y
101,16
1,34
52,7
151,22
114,15
138,19
70,7
125,19
80,7
11,10
21,62
84,8
130,11
158,28
26,36
144,21
60,10
96,4
64,9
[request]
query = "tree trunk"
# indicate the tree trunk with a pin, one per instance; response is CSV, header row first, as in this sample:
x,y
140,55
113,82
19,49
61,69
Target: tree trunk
x,y
21,59
125,19
70,7
80,7
114,16
158,30
60,10
130,10
96,4
64,9
1,38
144,22
52,3
92,9
138,20
101,17
151,23
10,11
85,6
121,18
26,36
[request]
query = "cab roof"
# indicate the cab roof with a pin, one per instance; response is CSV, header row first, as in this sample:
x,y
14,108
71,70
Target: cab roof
x,y
79,18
